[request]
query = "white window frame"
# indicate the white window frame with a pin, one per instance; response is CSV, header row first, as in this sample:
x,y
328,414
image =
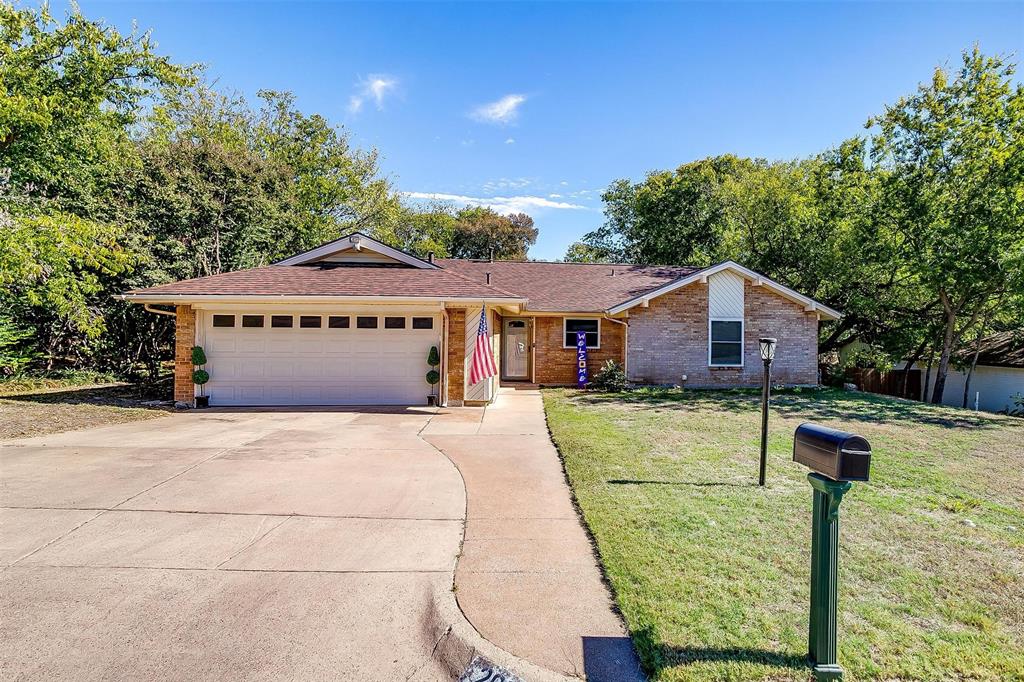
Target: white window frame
x,y
743,331
565,330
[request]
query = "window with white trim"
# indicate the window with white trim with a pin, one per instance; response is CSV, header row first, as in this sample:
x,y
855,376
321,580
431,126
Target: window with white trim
x,y
725,343
592,327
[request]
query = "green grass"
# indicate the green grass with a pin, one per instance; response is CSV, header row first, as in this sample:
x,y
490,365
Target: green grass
x,y
711,572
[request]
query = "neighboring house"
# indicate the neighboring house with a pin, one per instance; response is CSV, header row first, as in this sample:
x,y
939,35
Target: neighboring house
x,y
352,321
997,378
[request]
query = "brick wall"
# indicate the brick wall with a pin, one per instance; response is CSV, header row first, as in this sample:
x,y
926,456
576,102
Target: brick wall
x,y
184,339
670,339
556,365
455,366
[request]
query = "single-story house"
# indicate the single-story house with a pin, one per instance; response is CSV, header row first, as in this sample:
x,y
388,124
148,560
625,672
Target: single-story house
x,y
352,322
998,379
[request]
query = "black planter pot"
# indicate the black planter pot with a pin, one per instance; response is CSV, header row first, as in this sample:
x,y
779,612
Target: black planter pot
x,y
431,400
202,401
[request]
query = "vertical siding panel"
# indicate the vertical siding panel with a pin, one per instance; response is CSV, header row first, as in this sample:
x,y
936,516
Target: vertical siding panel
x,y
482,389
725,295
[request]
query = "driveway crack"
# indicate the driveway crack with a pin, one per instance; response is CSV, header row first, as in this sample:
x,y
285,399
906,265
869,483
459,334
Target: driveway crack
x,y
257,536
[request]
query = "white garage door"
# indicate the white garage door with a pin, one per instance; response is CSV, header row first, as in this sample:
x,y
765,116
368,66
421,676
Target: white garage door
x,y
318,359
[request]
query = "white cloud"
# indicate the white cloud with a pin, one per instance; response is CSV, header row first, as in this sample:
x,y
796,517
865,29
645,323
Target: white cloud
x,y
506,184
505,110
375,87
504,205
510,140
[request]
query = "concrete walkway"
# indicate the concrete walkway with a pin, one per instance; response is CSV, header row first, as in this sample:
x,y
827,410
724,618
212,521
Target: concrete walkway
x,y
528,579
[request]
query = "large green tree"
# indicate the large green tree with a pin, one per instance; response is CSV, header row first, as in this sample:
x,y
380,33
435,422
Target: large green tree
x,y
70,93
952,156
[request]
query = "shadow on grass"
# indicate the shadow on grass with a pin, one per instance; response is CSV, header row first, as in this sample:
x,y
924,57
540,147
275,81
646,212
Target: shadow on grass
x,y
656,655
807,404
117,395
698,484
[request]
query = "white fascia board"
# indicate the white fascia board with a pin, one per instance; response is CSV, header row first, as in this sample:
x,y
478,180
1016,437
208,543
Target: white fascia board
x,y
810,304
364,242
182,299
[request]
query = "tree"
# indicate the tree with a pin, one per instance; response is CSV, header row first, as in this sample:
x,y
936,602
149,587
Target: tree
x,y
426,230
953,160
581,252
478,230
71,93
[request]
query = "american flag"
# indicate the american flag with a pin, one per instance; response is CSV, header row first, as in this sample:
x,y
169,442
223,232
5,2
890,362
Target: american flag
x,y
483,361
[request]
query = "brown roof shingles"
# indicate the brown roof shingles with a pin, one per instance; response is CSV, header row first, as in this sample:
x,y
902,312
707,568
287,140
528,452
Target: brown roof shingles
x,y
570,287
299,280
548,287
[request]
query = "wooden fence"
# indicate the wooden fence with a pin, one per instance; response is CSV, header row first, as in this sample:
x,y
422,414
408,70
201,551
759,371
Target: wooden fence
x,y
890,382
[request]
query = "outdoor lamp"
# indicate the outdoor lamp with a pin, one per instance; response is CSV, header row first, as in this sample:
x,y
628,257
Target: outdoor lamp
x,y
767,347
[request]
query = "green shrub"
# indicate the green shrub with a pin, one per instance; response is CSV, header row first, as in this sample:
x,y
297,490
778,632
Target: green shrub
x,y
433,358
200,377
610,378
433,377
198,355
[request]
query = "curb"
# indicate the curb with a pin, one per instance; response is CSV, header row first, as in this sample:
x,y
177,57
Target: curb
x,y
457,643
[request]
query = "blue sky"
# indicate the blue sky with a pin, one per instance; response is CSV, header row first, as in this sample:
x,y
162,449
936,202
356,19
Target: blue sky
x,y
539,106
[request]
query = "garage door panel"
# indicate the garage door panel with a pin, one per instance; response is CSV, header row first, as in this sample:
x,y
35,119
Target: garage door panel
x,y
318,366
217,343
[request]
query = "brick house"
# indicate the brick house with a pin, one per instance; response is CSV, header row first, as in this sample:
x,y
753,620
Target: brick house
x,y
352,322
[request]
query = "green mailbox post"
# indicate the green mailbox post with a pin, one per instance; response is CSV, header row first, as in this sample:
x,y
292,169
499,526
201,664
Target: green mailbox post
x,y
836,458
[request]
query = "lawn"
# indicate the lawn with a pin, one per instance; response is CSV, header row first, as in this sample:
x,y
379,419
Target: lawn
x,y
34,407
711,572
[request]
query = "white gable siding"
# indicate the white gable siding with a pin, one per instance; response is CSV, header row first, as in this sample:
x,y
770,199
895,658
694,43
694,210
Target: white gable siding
x,y
482,390
725,296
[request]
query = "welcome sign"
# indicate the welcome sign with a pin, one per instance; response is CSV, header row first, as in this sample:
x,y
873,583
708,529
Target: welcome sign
x,y
581,359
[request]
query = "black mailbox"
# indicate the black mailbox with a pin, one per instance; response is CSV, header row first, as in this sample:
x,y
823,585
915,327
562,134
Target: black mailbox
x,y
837,454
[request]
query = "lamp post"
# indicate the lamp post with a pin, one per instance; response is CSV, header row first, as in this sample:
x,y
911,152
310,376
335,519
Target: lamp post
x,y
767,348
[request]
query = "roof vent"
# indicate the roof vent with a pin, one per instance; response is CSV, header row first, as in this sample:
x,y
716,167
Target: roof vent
x,y
430,257
488,278
490,254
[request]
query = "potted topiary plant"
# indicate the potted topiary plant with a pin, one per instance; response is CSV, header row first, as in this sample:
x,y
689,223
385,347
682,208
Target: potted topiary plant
x,y
433,376
199,375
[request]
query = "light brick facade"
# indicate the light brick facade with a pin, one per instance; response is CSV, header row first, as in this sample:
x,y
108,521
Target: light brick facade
x,y
455,365
556,366
184,340
670,339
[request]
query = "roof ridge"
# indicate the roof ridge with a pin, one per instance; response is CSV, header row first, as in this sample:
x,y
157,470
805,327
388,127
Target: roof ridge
x,y
559,262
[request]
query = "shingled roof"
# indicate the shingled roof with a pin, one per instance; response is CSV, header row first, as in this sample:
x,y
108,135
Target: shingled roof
x,y
569,287
306,280
1005,349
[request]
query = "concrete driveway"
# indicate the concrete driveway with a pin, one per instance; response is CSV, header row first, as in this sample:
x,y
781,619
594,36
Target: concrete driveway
x,y
258,545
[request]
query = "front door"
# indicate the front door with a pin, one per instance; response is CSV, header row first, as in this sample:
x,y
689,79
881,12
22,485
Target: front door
x,y
515,361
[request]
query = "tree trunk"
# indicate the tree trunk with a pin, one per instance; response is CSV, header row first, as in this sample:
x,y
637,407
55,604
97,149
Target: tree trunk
x,y
970,373
928,376
974,360
948,338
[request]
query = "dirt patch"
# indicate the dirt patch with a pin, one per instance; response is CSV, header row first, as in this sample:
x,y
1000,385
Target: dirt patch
x,y
63,409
